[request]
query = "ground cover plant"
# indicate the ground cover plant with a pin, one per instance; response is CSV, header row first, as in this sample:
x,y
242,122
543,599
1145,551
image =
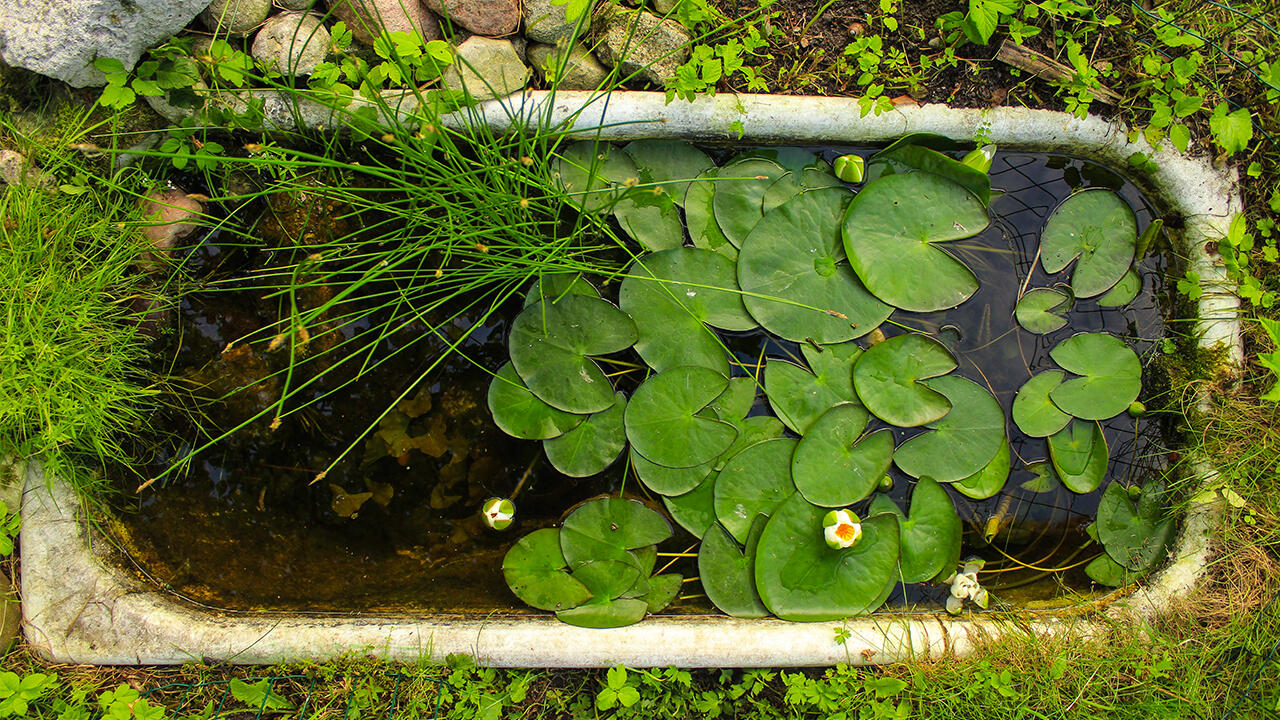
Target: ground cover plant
x,y
1208,659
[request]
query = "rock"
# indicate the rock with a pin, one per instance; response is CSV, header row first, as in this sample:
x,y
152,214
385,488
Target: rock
x,y
15,170
235,17
293,43
546,22
582,71
295,4
482,17
521,47
61,39
366,18
639,43
168,216
664,7
10,614
177,105
486,68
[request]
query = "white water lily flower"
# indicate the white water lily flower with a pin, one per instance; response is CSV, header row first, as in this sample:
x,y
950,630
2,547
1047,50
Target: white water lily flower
x,y
498,513
964,586
841,529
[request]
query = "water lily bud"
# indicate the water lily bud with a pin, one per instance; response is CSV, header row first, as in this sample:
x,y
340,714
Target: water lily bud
x,y
886,484
981,158
850,168
498,513
1137,409
841,529
1135,492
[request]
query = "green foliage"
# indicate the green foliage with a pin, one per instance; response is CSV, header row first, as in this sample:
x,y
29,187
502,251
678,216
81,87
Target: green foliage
x,y
126,703
9,526
619,690
18,692
259,696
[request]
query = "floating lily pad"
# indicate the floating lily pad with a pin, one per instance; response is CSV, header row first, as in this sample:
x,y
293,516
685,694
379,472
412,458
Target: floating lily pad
x,y
800,397
610,614
800,578
592,446
907,157
521,414
537,572
663,423
1079,455
605,528
751,431
1112,376
892,230
752,483
962,442
1044,480
670,481
989,480
550,342
671,163
606,579
1123,292
651,220
700,217
1105,571
592,174
728,572
1040,310
663,589
888,379
739,195
1096,226
695,510
930,534
834,464
1033,412
1135,537
735,402
795,277
555,285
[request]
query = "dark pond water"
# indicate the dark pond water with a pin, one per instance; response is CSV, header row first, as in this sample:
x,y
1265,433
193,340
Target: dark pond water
x,y
394,526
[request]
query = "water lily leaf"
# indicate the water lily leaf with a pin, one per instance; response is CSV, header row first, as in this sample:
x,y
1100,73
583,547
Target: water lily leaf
x,y
663,589
888,379
1105,571
593,175
1040,310
800,397
651,220
1123,292
611,614
521,414
662,421
605,528
780,191
1148,237
795,277
751,431
962,442
800,578
834,464
1135,537
695,510
550,342
1045,480
892,230
606,579
739,195
1079,455
735,402
989,480
930,534
1112,376
670,481
728,572
752,483
700,216
536,571
1033,412
1098,227
592,446
555,285
907,157
671,163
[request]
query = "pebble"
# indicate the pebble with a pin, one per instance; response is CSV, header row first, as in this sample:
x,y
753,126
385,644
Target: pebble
x,y
491,18
582,71
235,17
365,17
293,43
168,216
640,43
547,22
486,68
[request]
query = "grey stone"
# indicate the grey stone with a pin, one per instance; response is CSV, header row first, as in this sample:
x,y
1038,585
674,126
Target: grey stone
x,y
664,7
366,18
546,22
486,68
639,43
61,39
10,614
482,17
235,17
295,4
293,43
581,71
16,170
164,105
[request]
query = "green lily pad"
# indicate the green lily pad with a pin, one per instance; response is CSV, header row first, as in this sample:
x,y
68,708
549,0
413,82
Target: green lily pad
x,y
611,614
888,379
555,285
751,431
670,481
1040,310
606,579
930,534
592,446
662,420
700,216
671,163
739,195
1045,480
735,402
537,572
907,157
794,274
1123,292
651,220
1096,226
800,397
521,414
1067,447
663,589
593,175
1135,537
892,230
1105,571
550,342
752,483
990,480
800,578
1112,376
1033,412
695,510
728,572
606,528
962,442
834,464
780,191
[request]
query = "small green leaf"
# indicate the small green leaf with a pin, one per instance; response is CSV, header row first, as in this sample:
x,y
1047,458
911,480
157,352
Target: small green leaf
x,y
888,379
1040,310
